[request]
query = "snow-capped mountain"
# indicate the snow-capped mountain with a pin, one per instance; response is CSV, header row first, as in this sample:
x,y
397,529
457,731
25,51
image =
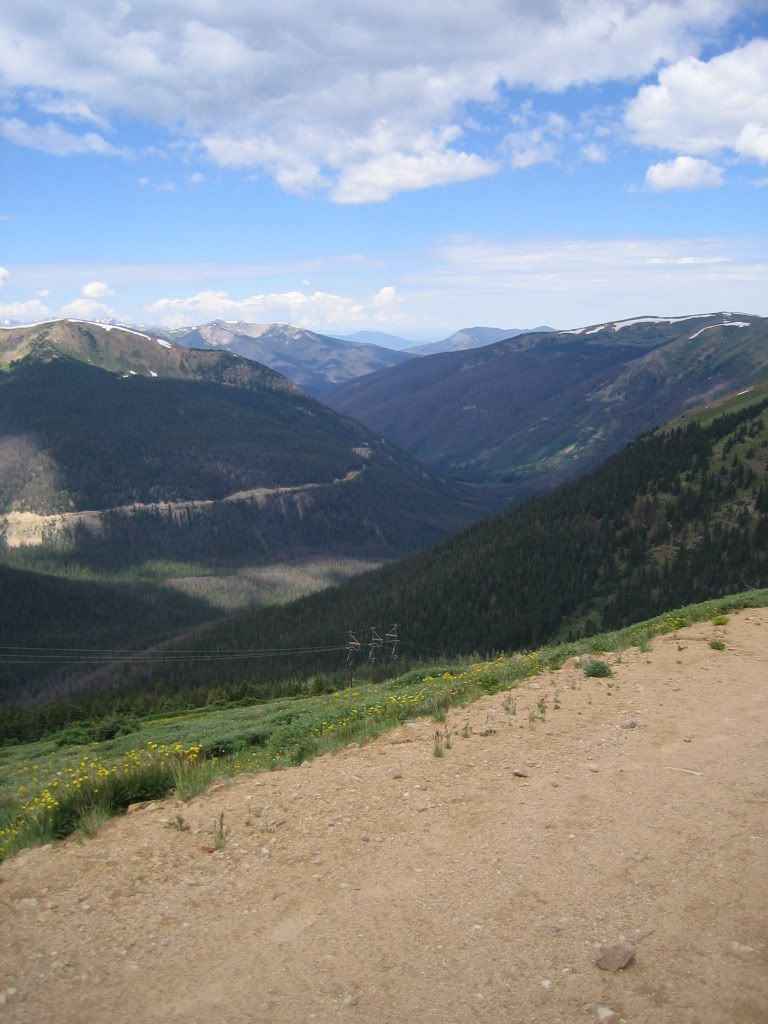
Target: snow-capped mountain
x,y
314,361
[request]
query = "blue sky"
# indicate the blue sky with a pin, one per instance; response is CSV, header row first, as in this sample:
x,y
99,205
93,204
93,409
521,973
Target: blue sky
x,y
412,170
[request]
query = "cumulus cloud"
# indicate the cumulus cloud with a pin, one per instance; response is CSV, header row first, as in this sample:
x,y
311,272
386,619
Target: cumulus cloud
x,y
375,180
70,109
52,138
3,276
683,172
706,107
29,311
594,153
536,138
96,290
322,101
316,309
85,309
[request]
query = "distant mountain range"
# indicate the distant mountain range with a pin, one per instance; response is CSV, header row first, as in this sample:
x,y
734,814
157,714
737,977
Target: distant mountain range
x,y
313,361
117,447
537,409
380,338
472,337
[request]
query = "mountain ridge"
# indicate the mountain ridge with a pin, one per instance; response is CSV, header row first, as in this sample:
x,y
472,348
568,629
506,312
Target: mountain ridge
x,y
473,337
140,446
313,361
537,409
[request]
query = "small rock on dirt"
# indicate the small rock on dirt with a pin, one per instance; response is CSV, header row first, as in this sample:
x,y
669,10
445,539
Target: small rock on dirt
x,y
615,956
740,949
629,723
519,773
606,1015
350,1001
393,773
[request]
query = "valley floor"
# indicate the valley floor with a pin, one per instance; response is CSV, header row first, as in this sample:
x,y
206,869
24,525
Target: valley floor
x,y
386,885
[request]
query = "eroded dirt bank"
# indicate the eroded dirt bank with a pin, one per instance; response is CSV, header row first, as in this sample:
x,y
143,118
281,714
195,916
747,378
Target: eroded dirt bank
x,y
386,885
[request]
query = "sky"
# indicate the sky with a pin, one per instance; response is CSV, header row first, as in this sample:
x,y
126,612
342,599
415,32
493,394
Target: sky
x,y
411,168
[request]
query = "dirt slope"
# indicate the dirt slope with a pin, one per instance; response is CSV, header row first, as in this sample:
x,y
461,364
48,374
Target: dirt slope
x,y
386,885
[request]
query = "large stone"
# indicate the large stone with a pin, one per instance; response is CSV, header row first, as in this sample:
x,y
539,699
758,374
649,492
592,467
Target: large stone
x,y
606,1015
615,956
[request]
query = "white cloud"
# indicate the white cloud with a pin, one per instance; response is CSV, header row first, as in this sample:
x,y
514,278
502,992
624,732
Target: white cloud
x,y
52,138
753,138
96,290
683,172
85,309
574,282
594,153
3,276
760,183
196,178
167,186
30,311
315,310
706,107
320,100
382,177
70,109
536,139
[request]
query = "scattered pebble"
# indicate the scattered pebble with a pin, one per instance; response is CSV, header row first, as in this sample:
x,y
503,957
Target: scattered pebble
x,y
741,949
615,956
520,773
393,773
606,1015
629,723
350,1001
547,985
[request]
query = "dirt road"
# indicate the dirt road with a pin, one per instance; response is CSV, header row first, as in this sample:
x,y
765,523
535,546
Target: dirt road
x,y
386,885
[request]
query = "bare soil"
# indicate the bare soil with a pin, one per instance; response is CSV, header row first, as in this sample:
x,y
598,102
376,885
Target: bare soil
x,y
386,885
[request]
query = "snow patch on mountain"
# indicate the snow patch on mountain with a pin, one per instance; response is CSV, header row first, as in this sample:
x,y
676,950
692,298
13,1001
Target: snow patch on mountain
x,y
727,323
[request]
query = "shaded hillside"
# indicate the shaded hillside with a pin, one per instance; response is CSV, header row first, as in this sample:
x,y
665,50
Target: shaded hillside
x,y
538,409
220,460
679,516
312,360
42,611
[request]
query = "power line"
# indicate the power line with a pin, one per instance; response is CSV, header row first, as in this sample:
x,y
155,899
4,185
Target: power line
x,y
137,658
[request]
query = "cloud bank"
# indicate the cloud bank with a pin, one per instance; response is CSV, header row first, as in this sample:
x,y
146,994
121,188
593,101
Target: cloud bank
x,y
359,104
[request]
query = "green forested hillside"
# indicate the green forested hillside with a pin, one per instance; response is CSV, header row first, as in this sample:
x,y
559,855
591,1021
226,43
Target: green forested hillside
x,y
231,467
679,516
69,616
539,409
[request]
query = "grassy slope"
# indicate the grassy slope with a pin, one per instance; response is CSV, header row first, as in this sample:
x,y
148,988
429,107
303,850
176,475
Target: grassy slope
x,y
50,788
